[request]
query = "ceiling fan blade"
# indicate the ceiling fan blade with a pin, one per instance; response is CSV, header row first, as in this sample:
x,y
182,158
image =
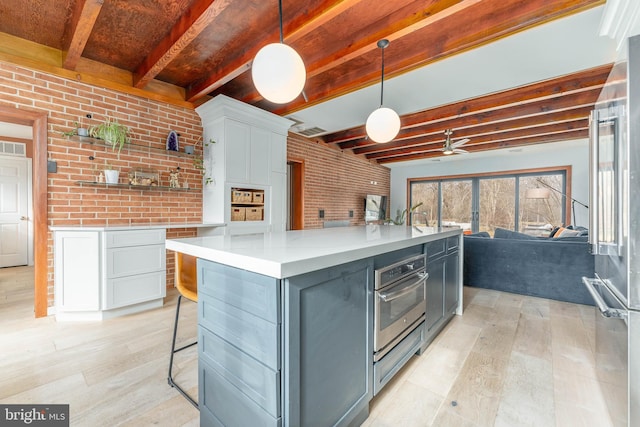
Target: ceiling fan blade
x,y
460,151
460,143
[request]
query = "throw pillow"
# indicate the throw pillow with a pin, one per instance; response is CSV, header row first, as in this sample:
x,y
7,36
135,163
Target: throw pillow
x,y
558,232
553,231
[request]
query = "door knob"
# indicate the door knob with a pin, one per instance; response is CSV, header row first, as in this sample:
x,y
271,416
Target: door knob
x,y
24,218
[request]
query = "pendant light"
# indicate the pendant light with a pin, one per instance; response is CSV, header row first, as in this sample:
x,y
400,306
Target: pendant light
x,y
277,71
383,124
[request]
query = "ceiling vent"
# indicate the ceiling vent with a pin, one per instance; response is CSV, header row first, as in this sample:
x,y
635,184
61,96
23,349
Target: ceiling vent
x,y
301,129
314,131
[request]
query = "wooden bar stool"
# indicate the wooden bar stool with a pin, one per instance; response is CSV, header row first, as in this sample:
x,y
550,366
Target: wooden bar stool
x,y
187,284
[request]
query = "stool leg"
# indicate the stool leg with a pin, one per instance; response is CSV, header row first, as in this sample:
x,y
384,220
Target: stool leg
x,y
174,351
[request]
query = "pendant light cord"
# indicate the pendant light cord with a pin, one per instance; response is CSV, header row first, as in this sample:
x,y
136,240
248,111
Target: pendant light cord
x,y
280,11
382,80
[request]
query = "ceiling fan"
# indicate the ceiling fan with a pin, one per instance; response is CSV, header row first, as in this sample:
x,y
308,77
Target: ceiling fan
x,y
453,147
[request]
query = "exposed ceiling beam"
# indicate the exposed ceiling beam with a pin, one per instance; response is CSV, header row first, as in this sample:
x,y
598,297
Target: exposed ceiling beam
x,y
530,122
490,137
391,28
294,30
496,144
589,79
83,18
189,26
469,28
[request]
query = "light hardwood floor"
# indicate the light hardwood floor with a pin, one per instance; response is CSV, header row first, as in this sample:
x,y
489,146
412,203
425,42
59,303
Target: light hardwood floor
x,y
509,361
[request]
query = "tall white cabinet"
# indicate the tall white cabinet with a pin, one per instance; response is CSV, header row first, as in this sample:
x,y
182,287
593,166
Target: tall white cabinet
x,y
249,154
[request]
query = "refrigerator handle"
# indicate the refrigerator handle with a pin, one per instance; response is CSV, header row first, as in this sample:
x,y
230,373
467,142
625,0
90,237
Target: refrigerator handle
x,y
593,181
605,310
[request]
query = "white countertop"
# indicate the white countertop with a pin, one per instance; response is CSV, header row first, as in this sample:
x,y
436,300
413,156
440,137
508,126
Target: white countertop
x,y
287,254
132,226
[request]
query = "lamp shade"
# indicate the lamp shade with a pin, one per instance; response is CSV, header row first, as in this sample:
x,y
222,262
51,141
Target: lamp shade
x,y
383,125
278,73
537,193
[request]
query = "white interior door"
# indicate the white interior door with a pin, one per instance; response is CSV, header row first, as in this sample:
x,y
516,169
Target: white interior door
x,y
14,205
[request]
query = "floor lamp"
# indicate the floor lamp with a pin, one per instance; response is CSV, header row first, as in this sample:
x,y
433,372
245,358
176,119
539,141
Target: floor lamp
x,y
573,201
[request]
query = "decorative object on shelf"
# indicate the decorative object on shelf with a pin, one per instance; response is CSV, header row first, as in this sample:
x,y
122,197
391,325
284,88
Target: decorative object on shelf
x,y
383,124
188,149
174,178
144,177
172,141
278,71
111,132
78,129
111,174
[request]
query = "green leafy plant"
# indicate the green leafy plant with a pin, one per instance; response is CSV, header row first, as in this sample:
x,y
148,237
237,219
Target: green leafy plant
x,y
112,133
73,131
400,216
198,163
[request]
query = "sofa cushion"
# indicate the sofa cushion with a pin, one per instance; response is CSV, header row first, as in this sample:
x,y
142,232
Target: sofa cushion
x,y
503,233
479,234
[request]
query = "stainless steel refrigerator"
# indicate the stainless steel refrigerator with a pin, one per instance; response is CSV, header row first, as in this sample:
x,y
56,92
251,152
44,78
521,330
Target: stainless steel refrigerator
x,y
615,237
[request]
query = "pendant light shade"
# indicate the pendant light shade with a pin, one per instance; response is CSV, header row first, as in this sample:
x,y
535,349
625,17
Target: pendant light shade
x,y
383,124
277,71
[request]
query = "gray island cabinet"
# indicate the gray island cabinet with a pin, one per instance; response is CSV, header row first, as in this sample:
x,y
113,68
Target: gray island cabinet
x,y
285,332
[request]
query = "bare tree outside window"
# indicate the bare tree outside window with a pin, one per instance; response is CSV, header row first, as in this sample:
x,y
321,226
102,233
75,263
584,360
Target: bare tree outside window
x,y
497,204
526,202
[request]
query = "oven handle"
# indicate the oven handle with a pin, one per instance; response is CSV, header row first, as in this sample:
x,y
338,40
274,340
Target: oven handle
x,y
386,297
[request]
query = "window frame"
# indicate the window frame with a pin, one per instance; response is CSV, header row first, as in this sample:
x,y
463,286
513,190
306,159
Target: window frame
x,y
517,173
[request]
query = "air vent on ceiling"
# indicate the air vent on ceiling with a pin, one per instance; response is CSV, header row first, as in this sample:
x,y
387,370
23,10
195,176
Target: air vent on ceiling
x,y
314,131
13,149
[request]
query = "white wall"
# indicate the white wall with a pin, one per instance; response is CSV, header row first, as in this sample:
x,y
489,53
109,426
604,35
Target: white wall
x,y
573,153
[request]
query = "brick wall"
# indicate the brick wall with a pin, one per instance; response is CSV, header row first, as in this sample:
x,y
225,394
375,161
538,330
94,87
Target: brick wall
x,y
335,181
66,101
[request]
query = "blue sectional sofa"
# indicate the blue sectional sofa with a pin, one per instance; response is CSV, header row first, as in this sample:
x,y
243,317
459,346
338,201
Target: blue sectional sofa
x,y
518,263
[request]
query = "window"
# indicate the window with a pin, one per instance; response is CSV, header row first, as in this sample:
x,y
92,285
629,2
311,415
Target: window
x,y
532,201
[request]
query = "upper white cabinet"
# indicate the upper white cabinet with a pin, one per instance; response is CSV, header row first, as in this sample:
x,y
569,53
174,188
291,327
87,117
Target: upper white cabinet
x,y
250,149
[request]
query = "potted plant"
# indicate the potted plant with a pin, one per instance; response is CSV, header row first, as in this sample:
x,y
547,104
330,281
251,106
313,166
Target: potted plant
x,y
112,133
77,130
400,216
111,173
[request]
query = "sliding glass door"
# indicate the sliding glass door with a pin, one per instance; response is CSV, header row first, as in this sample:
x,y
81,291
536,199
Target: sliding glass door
x,y
531,202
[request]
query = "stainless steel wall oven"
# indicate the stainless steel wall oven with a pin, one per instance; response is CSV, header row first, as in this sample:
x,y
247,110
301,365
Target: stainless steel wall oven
x,y
400,292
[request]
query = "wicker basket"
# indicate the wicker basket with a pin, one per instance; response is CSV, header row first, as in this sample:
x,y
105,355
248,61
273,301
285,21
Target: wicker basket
x,y
254,214
238,214
239,196
258,197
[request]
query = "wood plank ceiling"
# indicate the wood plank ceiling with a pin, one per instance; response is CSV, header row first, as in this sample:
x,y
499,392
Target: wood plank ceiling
x,y
185,51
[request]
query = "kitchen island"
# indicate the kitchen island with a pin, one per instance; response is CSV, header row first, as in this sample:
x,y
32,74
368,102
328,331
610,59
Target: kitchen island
x,y
286,320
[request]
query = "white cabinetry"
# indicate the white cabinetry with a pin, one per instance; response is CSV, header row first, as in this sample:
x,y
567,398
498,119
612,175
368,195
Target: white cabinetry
x,y
250,151
101,273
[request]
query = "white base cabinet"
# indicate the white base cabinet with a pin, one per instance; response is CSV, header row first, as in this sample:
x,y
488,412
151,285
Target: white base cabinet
x,y
101,274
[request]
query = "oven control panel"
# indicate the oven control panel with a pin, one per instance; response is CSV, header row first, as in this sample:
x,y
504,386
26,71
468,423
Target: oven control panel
x,y
399,270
